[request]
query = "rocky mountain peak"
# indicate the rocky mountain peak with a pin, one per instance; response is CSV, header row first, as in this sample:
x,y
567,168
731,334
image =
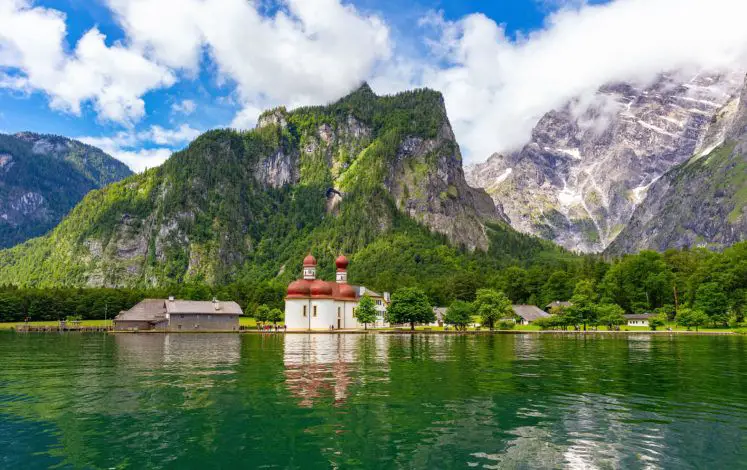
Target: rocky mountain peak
x,y
703,201
42,177
591,162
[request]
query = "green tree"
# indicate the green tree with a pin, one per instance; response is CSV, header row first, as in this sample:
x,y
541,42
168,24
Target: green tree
x,y
492,306
691,318
262,314
463,286
657,321
410,305
712,300
610,315
366,311
559,286
275,315
546,323
584,308
459,314
514,282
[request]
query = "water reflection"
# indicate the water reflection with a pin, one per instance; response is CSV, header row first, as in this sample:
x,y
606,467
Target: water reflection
x,y
316,366
372,401
189,362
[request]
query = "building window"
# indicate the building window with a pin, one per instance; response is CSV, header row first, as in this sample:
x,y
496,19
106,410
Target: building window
x,y
210,317
314,310
378,302
305,313
355,311
181,316
338,312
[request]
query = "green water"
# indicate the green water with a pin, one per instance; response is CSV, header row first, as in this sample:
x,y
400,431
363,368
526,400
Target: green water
x,y
376,401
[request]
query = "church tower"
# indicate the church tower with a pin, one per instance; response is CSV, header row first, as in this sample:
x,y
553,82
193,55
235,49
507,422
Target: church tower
x,y
342,269
309,268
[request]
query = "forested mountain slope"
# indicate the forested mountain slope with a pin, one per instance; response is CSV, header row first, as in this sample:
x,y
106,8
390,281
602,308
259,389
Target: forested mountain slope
x,y
702,202
42,177
378,178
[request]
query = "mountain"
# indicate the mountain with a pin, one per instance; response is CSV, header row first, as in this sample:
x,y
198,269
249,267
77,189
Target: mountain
x,y
702,202
42,177
379,178
590,163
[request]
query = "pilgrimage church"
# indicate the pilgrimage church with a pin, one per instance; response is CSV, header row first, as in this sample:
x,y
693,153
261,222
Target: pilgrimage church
x,y
314,304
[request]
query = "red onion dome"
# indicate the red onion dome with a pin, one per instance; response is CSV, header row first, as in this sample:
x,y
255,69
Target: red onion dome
x,y
342,263
347,292
300,288
309,261
321,288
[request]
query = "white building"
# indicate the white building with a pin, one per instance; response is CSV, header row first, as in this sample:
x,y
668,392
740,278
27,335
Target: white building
x,y
638,319
314,304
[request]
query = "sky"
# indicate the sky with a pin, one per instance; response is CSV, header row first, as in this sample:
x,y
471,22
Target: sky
x,y
142,78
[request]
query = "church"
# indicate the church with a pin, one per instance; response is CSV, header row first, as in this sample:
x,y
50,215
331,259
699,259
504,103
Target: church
x,y
314,304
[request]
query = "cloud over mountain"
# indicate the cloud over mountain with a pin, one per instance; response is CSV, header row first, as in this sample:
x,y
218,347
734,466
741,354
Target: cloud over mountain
x,y
299,52
497,87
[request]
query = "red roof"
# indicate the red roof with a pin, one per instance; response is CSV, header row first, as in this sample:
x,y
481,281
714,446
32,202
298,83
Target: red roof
x,y
318,289
309,260
342,263
299,288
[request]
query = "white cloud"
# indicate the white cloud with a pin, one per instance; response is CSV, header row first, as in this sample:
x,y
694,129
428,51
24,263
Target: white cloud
x,y
161,136
114,78
314,51
127,146
496,87
246,118
308,52
185,107
142,159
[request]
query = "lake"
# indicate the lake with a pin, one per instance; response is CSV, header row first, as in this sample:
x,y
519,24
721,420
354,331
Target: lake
x,y
372,401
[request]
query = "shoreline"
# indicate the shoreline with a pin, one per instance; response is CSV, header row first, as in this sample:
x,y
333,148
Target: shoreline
x,y
421,332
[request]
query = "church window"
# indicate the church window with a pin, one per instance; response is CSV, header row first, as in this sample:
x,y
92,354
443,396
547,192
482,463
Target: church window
x,y
315,310
304,311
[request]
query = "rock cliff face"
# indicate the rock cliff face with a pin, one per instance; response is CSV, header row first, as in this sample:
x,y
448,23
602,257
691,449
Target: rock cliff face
x,y
42,177
590,165
702,202
233,204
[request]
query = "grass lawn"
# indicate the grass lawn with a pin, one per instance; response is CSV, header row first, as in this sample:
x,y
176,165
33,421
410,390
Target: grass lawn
x,y
246,321
243,321
9,325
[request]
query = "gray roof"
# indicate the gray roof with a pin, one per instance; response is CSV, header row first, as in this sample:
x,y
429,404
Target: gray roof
x,y
558,303
529,312
360,290
638,316
156,309
203,307
146,310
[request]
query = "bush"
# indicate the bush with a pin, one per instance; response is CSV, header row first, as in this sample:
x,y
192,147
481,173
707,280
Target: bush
x,y
506,324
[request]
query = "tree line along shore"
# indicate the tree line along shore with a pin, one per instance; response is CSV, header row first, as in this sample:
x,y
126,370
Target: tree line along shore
x,y
692,288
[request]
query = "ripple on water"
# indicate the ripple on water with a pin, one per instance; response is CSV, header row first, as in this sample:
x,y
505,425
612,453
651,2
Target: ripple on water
x,y
362,401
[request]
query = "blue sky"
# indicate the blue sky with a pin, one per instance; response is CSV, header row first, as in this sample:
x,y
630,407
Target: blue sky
x,y
141,78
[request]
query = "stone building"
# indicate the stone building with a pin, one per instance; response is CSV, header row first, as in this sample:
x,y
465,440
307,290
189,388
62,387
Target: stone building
x,y
180,315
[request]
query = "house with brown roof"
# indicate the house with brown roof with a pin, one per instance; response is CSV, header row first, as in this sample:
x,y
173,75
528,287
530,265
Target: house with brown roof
x,y
526,314
180,315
